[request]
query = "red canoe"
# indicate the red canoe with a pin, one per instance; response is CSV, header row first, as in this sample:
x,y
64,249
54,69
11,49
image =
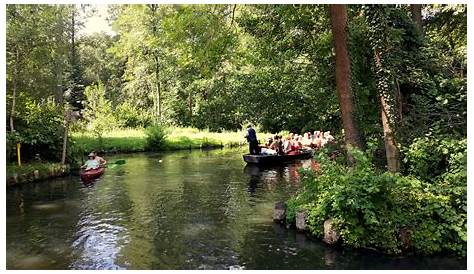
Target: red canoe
x,y
91,174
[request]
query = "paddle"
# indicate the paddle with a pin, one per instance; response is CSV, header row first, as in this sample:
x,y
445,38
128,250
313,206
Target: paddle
x,y
116,163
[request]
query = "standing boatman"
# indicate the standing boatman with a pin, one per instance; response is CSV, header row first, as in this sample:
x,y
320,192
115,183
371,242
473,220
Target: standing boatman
x,y
251,137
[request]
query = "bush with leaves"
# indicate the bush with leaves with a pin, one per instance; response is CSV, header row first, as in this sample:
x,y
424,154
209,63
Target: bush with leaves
x,y
429,157
39,130
98,111
370,208
155,138
131,117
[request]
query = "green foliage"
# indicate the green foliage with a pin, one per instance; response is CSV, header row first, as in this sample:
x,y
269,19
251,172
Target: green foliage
x,y
37,48
98,111
129,116
429,157
155,138
290,78
370,208
40,131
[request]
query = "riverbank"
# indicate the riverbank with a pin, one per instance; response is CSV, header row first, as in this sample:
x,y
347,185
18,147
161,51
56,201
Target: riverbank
x,y
361,207
32,172
127,141
134,140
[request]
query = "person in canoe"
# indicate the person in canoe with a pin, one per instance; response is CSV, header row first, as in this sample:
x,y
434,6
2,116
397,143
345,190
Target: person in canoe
x,y
289,145
98,157
294,146
329,137
269,148
317,141
251,137
91,162
277,145
306,142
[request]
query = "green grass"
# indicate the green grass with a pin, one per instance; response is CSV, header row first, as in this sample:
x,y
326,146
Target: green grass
x,y
134,140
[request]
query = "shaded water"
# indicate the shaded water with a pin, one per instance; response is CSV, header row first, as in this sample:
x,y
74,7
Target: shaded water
x,y
180,210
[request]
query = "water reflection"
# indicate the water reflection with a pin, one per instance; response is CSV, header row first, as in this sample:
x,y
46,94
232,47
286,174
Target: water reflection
x,y
98,241
182,210
272,175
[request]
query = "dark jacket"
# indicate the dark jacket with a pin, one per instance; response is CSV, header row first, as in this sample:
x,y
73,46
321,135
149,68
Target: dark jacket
x,y
251,135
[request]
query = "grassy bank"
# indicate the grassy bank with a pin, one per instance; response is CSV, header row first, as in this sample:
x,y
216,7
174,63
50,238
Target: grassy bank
x,y
30,172
134,140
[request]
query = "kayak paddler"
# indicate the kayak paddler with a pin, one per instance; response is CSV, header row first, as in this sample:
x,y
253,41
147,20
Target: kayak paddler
x,y
91,162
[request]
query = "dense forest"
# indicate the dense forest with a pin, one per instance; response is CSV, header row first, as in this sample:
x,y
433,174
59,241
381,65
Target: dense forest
x,y
389,80
222,66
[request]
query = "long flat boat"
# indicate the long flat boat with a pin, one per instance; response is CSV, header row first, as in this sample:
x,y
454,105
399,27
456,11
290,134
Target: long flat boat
x,y
91,174
276,159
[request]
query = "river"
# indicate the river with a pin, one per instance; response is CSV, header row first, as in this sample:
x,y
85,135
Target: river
x,y
177,210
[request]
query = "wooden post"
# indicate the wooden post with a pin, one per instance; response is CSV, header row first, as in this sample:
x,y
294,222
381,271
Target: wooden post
x,y
18,146
66,127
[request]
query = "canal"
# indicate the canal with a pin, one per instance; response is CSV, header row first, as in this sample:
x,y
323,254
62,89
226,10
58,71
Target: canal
x,y
177,210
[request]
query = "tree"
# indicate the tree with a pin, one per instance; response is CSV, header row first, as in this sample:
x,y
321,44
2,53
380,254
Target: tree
x,y
36,51
139,45
75,86
289,75
98,111
381,40
416,16
338,15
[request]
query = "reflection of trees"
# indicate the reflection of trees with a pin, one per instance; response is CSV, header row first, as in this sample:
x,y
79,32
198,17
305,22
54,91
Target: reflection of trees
x,y
102,229
212,205
38,221
272,246
149,199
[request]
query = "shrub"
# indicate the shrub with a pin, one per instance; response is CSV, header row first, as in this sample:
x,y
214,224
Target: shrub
x,y
429,157
130,117
98,111
370,208
39,129
155,138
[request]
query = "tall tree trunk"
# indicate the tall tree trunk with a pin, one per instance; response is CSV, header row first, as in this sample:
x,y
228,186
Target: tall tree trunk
x,y
387,113
59,84
233,14
380,39
338,14
58,63
190,105
154,24
158,89
15,76
416,16
159,100
67,116
73,38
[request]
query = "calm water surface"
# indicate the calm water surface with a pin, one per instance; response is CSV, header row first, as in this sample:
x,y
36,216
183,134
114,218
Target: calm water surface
x,y
180,210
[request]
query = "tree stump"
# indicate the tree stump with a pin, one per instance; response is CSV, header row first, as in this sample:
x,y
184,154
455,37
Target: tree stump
x,y
279,213
330,235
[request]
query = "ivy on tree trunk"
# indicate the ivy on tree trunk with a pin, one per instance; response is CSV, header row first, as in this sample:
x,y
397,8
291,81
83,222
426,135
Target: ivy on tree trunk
x,y
381,40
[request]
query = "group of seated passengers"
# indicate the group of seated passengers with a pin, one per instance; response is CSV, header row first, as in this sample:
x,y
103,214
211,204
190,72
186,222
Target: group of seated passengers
x,y
292,144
